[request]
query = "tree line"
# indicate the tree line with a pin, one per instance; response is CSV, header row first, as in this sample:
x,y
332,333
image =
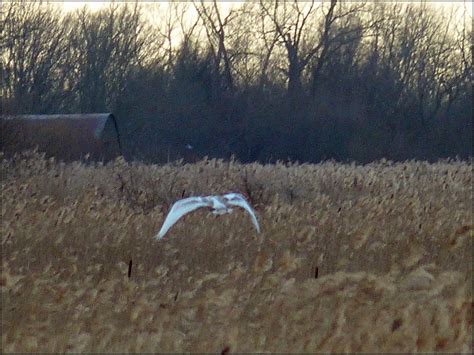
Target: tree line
x,y
262,81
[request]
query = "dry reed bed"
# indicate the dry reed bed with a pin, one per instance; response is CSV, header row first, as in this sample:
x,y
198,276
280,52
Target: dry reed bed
x,y
351,258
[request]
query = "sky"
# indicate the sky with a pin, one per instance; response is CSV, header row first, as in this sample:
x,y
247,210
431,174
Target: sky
x,y
73,5
94,5
69,5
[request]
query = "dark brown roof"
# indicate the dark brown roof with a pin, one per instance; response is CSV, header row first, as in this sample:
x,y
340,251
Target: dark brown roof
x,y
67,137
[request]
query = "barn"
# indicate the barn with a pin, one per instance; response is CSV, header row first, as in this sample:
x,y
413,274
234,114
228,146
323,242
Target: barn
x,y
66,137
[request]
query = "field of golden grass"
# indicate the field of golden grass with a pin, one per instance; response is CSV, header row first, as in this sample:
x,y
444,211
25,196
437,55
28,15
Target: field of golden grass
x,y
351,258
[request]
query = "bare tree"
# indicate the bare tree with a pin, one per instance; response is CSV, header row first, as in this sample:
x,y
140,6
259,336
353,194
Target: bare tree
x,y
416,48
216,26
107,45
292,22
289,22
263,43
443,67
34,50
174,28
341,34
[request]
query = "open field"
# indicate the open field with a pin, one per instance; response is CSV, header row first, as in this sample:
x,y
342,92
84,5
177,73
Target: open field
x,y
351,258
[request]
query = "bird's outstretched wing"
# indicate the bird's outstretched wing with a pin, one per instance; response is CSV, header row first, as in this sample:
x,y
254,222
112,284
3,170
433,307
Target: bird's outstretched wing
x,y
235,199
179,209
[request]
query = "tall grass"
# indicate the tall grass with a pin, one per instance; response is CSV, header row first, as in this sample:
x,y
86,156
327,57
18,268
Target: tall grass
x,y
352,258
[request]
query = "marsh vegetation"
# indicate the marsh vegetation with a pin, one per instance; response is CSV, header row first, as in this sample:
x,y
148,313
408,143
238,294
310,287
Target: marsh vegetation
x,y
373,257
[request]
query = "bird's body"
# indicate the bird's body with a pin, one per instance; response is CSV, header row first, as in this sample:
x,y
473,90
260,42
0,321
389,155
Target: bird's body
x,y
219,205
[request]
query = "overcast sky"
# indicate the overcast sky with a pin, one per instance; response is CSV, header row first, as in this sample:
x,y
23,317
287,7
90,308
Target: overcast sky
x,y
72,5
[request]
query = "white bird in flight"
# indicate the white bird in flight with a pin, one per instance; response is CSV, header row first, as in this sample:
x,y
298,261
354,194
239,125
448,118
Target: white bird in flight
x,y
217,204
